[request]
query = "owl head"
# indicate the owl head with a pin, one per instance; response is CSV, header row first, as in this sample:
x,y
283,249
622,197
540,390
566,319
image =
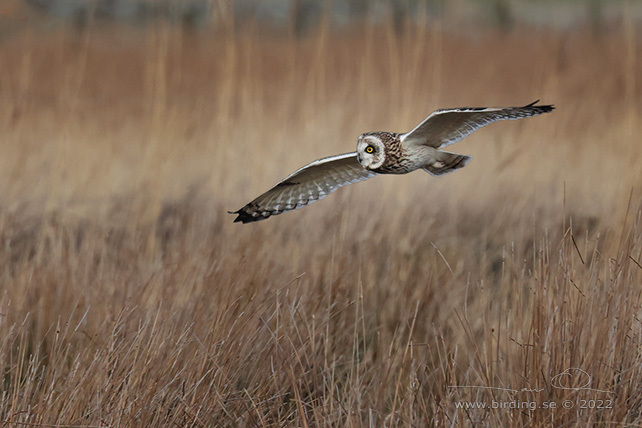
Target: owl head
x,y
371,151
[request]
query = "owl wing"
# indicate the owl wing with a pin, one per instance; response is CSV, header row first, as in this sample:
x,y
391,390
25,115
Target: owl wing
x,y
445,127
306,185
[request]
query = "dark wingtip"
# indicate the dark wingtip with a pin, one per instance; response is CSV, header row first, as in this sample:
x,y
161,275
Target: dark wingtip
x,y
245,217
240,216
542,109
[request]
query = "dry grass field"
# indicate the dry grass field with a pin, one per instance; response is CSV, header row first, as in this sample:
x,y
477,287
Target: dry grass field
x,y
507,293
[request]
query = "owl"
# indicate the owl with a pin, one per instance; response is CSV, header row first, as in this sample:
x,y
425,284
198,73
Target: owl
x,y
383,153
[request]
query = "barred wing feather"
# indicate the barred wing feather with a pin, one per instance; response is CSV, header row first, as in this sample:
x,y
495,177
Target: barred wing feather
x,y
447,126
309,184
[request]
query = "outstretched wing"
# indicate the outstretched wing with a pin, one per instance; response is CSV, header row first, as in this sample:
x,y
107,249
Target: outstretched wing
x,y
306,185
444,127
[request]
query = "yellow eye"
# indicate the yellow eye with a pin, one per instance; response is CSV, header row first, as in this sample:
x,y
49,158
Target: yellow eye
x,y
369,149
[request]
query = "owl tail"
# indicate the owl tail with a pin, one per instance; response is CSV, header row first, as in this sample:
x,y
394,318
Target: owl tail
x,y
446,162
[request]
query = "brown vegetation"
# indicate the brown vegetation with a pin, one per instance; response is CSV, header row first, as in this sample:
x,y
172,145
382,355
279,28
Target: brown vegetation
x,y
129,298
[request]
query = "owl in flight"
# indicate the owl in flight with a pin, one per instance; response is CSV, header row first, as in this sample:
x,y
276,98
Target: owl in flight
x,y
383,153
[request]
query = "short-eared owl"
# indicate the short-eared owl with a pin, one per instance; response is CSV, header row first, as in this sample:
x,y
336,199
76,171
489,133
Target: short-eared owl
x,y
383,153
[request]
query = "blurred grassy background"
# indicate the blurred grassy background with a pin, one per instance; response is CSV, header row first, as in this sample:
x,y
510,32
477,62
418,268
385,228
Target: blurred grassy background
x,y
128,296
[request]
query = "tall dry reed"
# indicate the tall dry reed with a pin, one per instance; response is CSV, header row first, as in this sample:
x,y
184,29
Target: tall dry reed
x,y
129,298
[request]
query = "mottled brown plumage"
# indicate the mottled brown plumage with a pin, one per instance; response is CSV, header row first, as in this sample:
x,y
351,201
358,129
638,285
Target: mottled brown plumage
x,y
394,152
